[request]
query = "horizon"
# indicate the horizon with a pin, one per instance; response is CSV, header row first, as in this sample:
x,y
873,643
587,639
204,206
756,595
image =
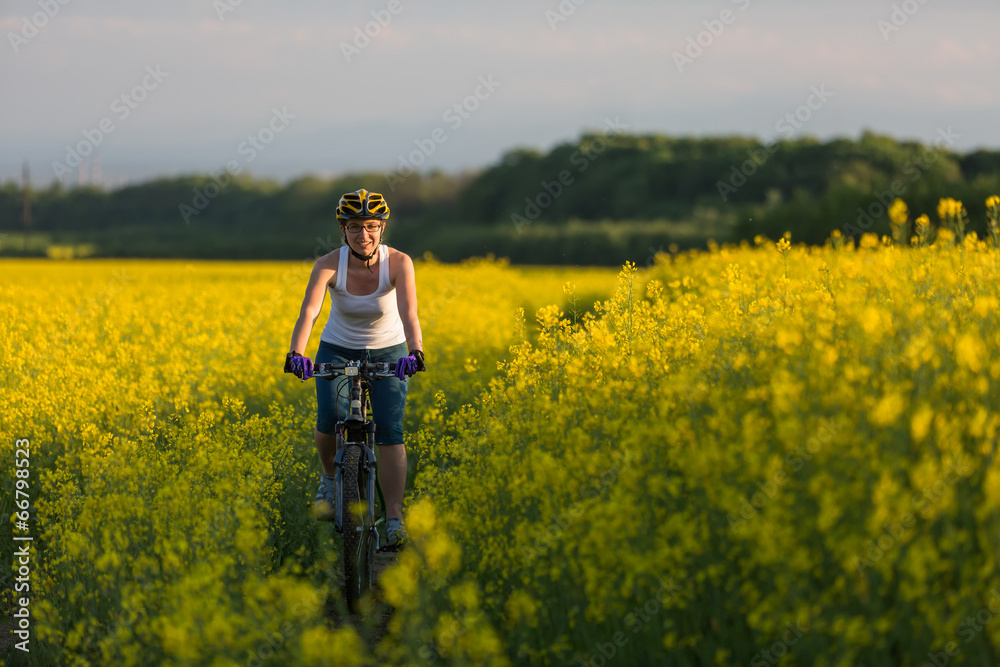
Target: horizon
x,y
386,174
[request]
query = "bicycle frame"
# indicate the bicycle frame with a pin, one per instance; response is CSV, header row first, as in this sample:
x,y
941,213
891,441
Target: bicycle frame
x,y
357,431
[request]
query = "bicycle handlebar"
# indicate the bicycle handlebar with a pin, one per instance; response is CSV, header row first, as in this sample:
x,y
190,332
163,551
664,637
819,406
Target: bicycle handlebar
x,y
371,370
375,370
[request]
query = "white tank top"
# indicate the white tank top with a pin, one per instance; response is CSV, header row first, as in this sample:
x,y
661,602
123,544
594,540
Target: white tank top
x,y
368,322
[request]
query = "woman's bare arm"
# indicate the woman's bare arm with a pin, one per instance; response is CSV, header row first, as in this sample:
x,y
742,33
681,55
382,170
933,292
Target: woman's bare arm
x,y
312,304
406,301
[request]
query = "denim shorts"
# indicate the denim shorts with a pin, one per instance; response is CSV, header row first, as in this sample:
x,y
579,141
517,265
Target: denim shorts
x,y
388,395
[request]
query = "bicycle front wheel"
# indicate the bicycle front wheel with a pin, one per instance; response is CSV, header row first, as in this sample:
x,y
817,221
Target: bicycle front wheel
x,y
359,541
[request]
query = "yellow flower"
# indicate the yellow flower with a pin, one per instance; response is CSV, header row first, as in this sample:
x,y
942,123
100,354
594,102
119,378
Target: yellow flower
x,y
869,240
465,595
920,424
898,212
984,306
948,208
400,582
871,320
953,216
788,339
341,646
421,520
888,410
944,236
522,608
548,317
991,486
970,352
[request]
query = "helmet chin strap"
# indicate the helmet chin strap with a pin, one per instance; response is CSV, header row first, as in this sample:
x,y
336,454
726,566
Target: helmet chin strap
x,y
366,260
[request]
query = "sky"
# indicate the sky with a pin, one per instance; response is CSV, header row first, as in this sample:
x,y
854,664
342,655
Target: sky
x,y
281,90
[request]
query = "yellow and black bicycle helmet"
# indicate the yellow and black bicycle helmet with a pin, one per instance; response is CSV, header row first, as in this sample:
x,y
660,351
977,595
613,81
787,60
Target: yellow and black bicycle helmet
x,y
362,204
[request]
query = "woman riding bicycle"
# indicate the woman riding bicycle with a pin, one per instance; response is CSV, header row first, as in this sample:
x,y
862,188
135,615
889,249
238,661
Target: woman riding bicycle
x,y
373,316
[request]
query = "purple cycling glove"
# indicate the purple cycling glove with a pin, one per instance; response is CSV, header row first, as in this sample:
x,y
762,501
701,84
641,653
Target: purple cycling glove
x,y
301,366
410,364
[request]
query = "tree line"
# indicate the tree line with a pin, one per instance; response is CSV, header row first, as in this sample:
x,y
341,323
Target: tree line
x,y
601,199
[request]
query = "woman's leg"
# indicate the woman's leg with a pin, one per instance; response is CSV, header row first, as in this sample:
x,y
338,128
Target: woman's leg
x,y
332,402
326,448
392,477
388,403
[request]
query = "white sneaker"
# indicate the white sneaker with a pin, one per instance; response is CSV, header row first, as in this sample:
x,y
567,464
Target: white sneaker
x,y
326,498
395,532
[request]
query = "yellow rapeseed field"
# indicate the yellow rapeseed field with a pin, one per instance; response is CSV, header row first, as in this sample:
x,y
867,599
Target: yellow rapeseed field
x,y
171,462
755,456
768,454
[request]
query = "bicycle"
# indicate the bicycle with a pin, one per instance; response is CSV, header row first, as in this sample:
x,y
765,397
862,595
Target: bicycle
x,y
357,477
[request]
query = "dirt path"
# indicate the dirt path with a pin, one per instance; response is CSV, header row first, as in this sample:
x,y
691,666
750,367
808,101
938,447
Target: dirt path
x,y
382,561
7,626
374,625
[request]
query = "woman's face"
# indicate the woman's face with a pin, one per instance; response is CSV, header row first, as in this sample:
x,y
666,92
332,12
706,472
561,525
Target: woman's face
x,y
363,235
